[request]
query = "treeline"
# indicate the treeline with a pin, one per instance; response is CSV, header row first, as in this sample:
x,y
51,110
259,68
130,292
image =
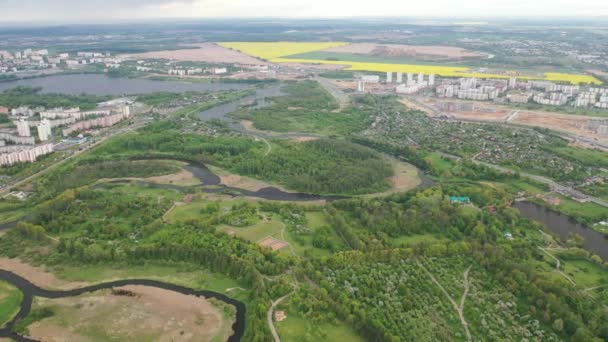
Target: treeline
x,y
32,97
565,311
88,171
372,224
405,153
323,166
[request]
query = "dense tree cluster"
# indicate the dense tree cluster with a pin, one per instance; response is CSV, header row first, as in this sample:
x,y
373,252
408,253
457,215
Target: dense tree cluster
x,y
88,171
32,97
306,107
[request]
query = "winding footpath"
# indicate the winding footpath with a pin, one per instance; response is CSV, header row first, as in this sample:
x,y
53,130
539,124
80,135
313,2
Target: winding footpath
x,y
30,290
459,308
273,330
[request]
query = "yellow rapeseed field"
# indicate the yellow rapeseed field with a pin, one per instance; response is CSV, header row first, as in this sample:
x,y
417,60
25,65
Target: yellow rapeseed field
x,y
270,51
276,51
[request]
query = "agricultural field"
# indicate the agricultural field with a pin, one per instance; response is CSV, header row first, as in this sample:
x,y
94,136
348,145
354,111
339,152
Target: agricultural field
x,y
297,328
281,52
270,51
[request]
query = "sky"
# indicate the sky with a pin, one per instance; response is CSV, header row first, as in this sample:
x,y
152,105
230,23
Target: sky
x,y
89,11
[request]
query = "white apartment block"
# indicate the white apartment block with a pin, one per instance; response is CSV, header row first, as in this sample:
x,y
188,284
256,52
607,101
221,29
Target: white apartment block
x,y
28,155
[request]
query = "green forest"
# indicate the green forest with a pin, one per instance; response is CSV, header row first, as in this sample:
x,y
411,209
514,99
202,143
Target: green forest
x,y
32,97
408,266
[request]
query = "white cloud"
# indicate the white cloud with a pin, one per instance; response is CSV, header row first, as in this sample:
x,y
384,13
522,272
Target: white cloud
x,y
82,10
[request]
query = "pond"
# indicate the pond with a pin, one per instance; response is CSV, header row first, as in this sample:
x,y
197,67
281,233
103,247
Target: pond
x,y
562,226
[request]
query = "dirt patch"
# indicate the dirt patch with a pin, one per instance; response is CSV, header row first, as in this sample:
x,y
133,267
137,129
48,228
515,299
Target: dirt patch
x,y
38,275
405,177
273,243
575,124
149,314
304,139
316,66
183,177
248,125
398,50
206,52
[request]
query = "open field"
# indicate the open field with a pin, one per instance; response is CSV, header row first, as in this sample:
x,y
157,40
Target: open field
x,y
242,182
559,122
144,313
273,50
405,178
585,273
279,52
399,50
476,111
206,52
10,298
296,328
38,275
256,232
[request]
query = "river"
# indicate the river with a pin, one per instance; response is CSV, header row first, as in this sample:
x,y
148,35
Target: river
x,y
30,290
563,225
98,84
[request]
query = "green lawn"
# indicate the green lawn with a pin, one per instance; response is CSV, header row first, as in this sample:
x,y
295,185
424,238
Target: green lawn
x,y
416,239
177,273
589,213
10,299
585,273
584,155
298,329
316,219
258,231
440,164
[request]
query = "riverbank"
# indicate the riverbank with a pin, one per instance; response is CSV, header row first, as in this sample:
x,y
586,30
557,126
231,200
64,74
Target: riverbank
x,y
30,290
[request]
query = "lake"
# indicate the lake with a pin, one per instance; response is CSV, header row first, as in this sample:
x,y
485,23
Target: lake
x,y
97,84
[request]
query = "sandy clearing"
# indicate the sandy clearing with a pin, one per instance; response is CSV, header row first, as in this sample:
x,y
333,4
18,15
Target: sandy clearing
x,y
183,177
246,183
405,178
38,275
156,314
396,50
575,124
205,52
304,139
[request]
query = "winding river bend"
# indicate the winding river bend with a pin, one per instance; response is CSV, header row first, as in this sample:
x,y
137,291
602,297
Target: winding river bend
x,y
30,290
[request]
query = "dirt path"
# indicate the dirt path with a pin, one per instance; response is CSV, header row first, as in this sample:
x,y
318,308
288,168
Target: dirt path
x,y
557,266
587,290
273,330
268,145
459,308
341,97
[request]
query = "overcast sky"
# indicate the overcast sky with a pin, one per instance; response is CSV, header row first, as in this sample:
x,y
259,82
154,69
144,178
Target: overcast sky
x,y
107,10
